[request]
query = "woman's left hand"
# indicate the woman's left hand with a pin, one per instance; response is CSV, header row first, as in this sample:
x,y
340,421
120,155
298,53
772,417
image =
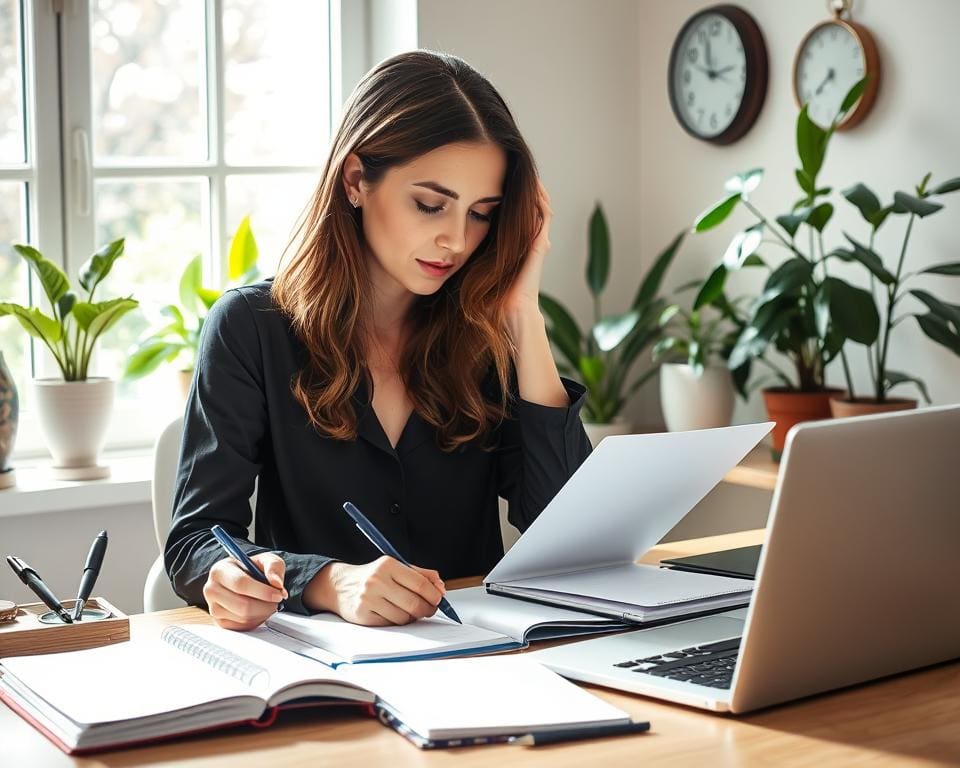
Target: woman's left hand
x,y
523,296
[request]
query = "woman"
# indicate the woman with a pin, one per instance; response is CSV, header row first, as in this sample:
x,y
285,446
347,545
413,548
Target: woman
x,y
398,361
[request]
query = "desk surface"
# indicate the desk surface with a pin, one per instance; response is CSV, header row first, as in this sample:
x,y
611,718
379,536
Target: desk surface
x,y
905,720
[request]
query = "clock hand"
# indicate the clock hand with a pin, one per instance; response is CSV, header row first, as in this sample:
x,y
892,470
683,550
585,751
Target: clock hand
x,y
709,57
719,72
827,79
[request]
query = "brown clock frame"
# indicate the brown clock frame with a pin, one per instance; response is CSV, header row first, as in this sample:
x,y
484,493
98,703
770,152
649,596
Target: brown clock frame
x,y
755,87
871,57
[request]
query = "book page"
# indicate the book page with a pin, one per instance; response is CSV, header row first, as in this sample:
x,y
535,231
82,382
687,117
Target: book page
x,y
352,642
486,695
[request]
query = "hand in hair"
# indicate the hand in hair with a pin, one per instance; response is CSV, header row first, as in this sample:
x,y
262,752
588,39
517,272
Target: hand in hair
x,y
238,601
525,292
380,593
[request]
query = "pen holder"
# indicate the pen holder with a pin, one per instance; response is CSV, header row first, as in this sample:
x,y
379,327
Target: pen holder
x,y
27,635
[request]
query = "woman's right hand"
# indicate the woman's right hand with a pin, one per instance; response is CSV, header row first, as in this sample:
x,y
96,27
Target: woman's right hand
x,y
238,601
376,594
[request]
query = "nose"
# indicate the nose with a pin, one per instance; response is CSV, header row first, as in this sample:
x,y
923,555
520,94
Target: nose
x,y
453,236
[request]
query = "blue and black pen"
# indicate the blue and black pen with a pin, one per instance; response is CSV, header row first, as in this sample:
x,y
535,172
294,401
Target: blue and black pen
x,y
233,549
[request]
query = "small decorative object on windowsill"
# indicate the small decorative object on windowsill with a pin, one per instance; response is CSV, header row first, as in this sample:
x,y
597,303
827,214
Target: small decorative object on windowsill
x,y
74,411
603,358
9,416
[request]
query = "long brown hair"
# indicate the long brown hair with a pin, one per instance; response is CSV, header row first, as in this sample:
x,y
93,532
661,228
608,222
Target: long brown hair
x,y
405,107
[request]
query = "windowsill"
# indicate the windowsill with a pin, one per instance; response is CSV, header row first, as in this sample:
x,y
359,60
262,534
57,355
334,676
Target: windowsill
x,y
37,492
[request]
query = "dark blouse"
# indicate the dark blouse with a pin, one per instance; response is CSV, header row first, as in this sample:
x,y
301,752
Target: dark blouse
x,y
439,509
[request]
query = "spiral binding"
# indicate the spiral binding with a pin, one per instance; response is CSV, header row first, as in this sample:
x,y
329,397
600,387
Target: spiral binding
x,y
212,654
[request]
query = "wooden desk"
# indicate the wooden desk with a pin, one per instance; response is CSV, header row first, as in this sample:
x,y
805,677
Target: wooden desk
x,y
907,720
757,470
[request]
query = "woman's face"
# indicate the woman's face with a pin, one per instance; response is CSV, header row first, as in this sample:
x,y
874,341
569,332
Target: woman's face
x,y
423,220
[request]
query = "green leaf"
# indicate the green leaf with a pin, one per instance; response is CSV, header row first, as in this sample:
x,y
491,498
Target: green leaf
x,y
651,283
610,331
949,313
34,322
598,263
742,246
790,276
149,357
667,345
243,251
819,216
592,369
564,331
952,268
52,278
98,266
866,256
811,146
715,215
190,283
915,205
744,183
850,311
65,304
937,330
864,199
895,378
208,296
806,184
99,317
948,186
852,97
668,314
712,287
791,222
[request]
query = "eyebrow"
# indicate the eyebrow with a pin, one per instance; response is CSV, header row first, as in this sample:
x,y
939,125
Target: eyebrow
x,y
439,188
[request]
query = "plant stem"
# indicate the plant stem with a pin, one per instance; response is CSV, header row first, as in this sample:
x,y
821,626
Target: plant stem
x,y
783,377
892,299
767,224
843,355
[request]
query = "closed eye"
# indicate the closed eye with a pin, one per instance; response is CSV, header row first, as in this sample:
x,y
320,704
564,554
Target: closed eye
x,y
430,211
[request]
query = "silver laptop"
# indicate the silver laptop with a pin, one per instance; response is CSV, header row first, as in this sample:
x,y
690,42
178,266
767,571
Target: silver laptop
x,y
857,578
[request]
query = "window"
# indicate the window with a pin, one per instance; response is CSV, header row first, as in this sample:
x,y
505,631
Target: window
x,y
173,119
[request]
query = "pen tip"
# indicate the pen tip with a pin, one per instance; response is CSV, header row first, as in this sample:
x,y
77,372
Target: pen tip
x,y
103,532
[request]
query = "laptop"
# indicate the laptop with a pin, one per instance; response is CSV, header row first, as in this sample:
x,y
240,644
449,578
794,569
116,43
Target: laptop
x,y
857,577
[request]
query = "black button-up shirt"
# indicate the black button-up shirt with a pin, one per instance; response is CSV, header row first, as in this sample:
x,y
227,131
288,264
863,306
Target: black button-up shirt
x,y
439,509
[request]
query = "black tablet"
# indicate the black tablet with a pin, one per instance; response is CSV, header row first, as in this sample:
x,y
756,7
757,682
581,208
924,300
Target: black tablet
x,y
740,563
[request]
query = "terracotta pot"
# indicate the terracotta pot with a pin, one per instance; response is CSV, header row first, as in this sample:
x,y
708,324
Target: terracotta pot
x,y
596,432
790,406
842,407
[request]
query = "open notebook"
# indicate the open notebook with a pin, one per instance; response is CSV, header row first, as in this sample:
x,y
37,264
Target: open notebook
x,y
581,552
196,678
490,624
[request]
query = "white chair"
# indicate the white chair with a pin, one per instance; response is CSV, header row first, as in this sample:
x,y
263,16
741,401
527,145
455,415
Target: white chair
x,y
157,592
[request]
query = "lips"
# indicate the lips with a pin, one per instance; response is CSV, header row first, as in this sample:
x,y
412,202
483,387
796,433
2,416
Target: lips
x,y
437,264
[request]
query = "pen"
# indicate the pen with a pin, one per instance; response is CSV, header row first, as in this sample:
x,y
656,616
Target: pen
x,y
32,579
90,572
233,549
378,540
538,738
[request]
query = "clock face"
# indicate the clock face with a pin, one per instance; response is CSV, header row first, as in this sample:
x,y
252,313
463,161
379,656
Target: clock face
x,y
709,75
829,64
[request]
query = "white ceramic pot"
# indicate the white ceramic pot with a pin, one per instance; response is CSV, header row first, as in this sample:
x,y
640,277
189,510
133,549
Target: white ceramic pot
x,y
74,416
695,402
596,432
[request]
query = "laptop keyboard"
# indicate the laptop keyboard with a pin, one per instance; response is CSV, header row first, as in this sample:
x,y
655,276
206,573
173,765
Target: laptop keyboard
x,y
711,664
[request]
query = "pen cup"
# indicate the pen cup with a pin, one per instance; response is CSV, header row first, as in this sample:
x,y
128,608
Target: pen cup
x,y
28,634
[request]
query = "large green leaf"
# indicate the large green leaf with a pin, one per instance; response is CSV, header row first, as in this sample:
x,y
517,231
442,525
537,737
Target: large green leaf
x,y
951,268
909,203
562,328
208,296
52,278
819,216
811,145
716,214
712,287
243,251
149,357
650,285
895,378
936,329
98,266
791,221
863,198
610,331
948,186
850,311
742,246
866,256
593,370
34,322
852,97
790,276
806,184
100,317
744,183
949,313
598,262
191,281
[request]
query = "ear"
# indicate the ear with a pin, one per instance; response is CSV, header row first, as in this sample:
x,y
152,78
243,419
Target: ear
x,y
352,174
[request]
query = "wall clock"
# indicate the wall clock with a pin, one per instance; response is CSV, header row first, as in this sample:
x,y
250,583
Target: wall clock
x,y
717,78
832,57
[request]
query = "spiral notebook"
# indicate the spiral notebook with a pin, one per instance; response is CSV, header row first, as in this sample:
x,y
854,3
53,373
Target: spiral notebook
x,y
198,678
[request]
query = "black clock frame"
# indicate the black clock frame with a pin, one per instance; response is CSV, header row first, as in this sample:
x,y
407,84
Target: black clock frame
x,y
755,87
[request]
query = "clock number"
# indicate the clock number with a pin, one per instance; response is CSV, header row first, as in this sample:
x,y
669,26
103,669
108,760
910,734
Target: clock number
x,y
692,54
713,120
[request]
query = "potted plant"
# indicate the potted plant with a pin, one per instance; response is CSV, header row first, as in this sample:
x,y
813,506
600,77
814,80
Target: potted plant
x,y
802,311
696,386
603,358
9,417
177,340
941,321
74,411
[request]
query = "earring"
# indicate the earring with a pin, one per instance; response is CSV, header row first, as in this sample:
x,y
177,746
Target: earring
x,y
354,201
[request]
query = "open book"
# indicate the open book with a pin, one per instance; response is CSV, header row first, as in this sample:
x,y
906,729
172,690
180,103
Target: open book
x,y
490,624
581,552
196,678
